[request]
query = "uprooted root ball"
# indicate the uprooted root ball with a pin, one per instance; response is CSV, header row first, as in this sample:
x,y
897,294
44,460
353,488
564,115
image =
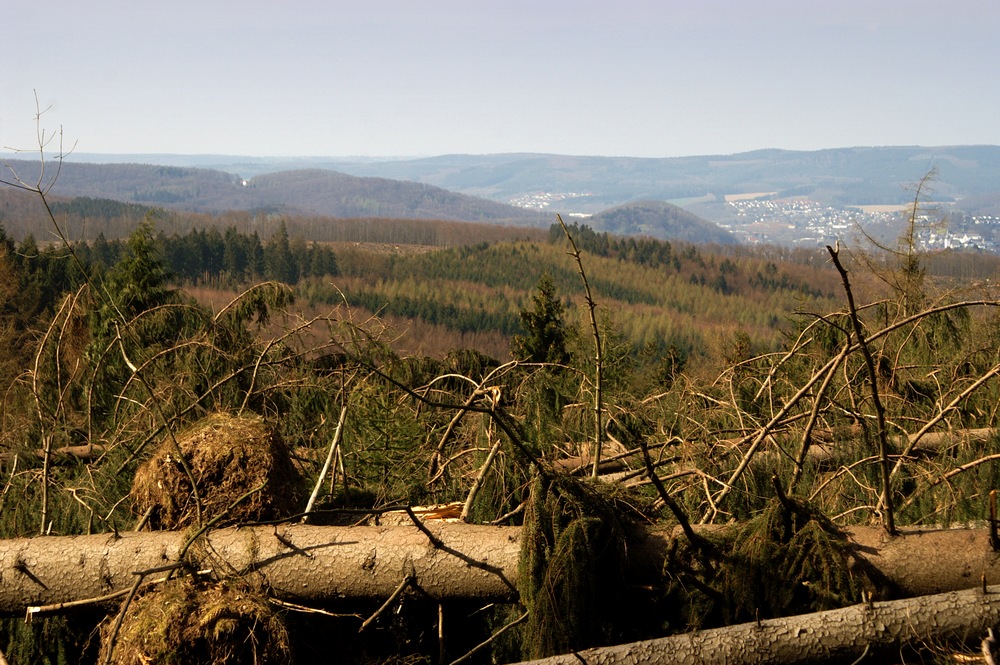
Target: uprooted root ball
x,y
182,621
241,467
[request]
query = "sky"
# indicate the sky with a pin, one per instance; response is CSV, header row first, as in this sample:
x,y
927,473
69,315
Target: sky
x,y
406,78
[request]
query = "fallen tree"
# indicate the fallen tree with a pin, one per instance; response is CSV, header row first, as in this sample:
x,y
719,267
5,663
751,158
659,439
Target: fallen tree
x,y
822,637
298,563
305,563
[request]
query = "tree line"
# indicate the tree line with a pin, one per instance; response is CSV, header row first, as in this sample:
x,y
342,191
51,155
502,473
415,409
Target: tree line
x,y
209,256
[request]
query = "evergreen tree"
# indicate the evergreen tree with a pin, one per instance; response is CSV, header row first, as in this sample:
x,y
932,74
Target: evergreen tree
x,y
278,258
103,253
255,256
136,284
545,335
234,255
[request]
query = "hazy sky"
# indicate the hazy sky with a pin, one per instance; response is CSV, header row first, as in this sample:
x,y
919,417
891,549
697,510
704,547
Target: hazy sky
x,y
650,78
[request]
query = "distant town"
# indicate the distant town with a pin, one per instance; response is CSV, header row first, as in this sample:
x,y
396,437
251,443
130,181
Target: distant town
x,y
807,223
758,219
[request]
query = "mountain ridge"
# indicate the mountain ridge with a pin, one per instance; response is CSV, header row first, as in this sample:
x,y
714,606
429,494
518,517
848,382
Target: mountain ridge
x,y
836,176
304,191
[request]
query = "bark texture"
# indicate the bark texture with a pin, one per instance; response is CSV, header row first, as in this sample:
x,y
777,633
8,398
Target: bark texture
x,y
299,563
921,562
305,563
834,636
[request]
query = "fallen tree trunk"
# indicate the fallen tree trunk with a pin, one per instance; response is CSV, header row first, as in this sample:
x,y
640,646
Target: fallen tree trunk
x,y
299,563
921,562
834,636
305,563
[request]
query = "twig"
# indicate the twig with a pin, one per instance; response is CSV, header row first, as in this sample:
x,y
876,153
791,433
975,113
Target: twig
x,y
813,416
883,440
289,544
407,581
435,541
144,519
913,440
598,352
948,476
679,514
758,440
334,445
34,610
489,640
439,451
477,485
440,658
212,522
309,610
121,618
994,538
58,607
163,418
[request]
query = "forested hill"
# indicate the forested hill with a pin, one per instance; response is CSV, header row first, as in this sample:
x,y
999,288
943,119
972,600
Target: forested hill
x,y
659,219
590,184
307,191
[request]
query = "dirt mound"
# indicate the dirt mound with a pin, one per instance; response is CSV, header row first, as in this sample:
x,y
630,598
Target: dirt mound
x,y
241,468
182,621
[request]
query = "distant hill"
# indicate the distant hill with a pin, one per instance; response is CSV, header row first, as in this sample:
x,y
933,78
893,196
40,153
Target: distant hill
x,y
338,195
659,220
331,194
308,191
842,176
839,176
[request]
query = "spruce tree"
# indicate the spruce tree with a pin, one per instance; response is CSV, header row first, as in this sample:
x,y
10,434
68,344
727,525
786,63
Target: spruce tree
x,y
545,335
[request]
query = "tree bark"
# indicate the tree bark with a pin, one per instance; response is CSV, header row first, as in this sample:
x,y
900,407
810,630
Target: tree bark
x,y
834,636
921,562
312,564
299,563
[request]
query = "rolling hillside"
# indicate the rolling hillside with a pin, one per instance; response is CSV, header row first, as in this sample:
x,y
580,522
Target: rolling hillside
x,y
329,194
658,219
856,175
308,191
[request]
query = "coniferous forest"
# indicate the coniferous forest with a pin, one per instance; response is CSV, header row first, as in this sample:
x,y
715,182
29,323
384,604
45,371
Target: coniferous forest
x,y
302,421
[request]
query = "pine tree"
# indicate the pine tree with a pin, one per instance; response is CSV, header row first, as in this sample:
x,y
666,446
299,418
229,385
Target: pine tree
x,y
545,338
278,258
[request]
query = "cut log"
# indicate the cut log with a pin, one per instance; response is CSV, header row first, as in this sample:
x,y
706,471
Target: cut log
x,y
840,636
312,564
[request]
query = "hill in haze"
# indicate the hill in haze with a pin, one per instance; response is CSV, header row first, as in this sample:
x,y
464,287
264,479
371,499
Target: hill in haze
x,y
306,191
658,219
332,194
968,176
